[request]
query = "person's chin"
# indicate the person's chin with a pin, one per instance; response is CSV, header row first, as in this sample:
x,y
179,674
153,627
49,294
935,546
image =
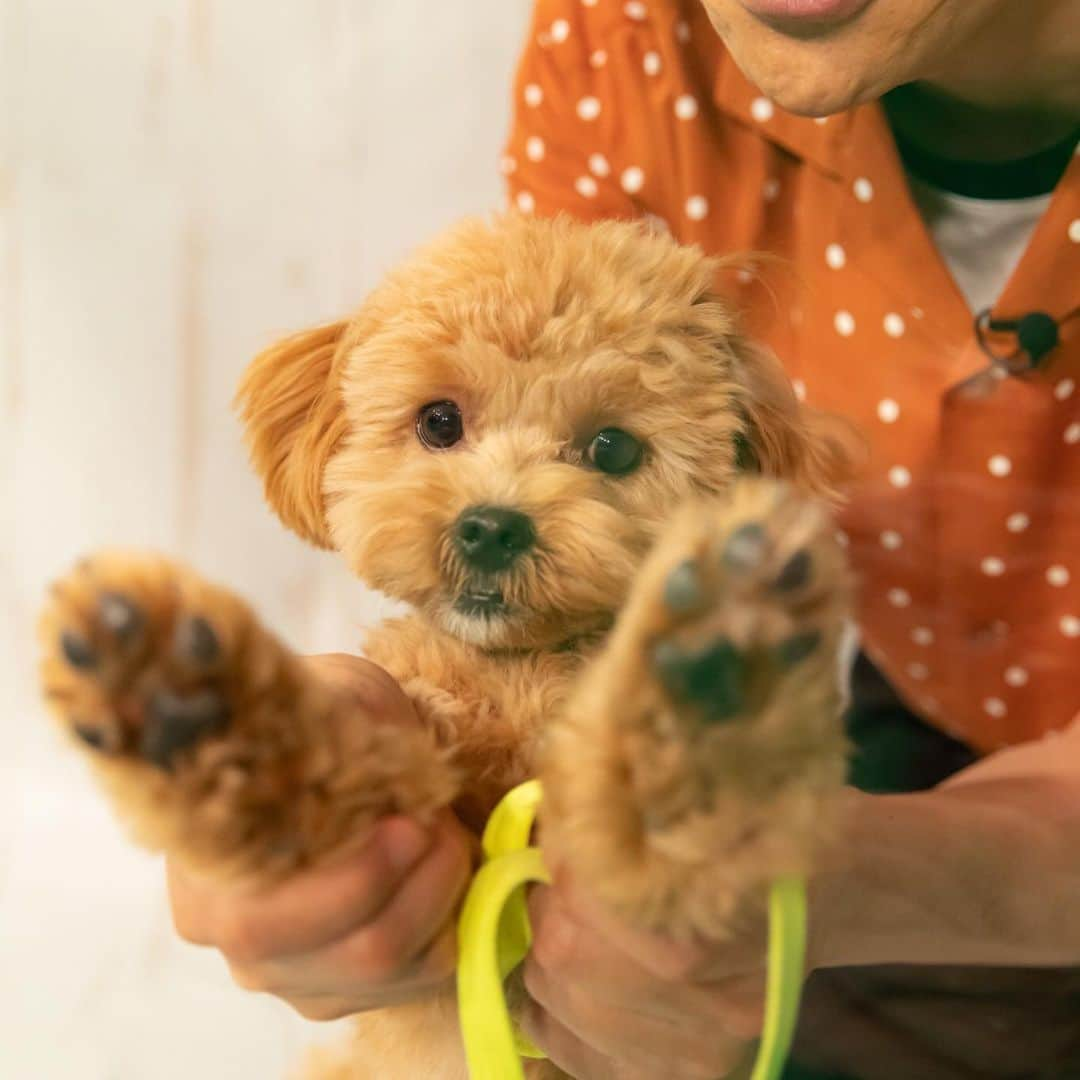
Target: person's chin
x,y
806,92
814,76
808,80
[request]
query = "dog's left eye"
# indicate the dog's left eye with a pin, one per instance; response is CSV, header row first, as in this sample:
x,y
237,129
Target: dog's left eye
x,y
439,426
614,451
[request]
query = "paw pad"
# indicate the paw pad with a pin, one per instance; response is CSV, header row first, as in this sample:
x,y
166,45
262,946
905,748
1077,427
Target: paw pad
x,y
684,591
797,648
78,652
120,616
795,572
174,723
746,547
92,736
711,678
196,641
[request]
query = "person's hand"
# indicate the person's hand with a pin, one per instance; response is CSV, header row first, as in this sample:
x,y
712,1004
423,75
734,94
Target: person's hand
x,y
374,928
610,1003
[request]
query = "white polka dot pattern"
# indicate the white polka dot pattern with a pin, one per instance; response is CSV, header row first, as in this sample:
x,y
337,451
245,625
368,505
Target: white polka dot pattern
x,y
922,635
560,30
900,598
650,63
1072,434
686,107
995,707
636,10
761,109
770,190
900,476
1016,676
599,165
586,186
533,95
891,540
844,322
835,257
1063,390
863,189
888,411
992,566
1017,522
1058,576
525,202
697,207
534,148
588,108
632,180
893,324
598,58
1074,230
999,465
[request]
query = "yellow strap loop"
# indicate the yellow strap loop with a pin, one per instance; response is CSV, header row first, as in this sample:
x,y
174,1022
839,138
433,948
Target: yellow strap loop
x,y
494,936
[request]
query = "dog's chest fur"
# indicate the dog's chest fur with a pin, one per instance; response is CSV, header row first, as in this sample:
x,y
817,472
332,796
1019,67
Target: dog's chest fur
x,y
490,708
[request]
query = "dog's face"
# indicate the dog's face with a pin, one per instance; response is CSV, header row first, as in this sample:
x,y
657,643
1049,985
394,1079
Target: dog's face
x,y
502,430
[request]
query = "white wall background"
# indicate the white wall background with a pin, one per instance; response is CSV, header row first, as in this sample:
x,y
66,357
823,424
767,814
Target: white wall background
x,y
180,181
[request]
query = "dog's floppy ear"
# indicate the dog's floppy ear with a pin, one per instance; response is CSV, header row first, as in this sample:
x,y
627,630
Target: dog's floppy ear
x,y
785,438
291,406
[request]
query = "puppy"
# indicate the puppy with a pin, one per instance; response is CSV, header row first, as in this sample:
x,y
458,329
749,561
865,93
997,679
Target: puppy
x,y
608,513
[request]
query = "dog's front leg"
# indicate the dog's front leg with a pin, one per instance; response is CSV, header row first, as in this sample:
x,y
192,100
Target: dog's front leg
x,y
702,753
213,740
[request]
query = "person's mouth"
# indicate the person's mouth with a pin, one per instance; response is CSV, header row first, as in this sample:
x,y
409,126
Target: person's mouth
x,y
800,16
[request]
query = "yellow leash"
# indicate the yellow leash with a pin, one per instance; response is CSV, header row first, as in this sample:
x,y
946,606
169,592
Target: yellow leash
x,y
494,936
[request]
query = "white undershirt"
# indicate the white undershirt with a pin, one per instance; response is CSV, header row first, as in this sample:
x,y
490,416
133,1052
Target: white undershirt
x,y
981,240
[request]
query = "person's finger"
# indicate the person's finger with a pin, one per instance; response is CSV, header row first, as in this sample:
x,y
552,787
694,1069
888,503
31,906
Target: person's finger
x,y
374,690
692,1045
304,912
317,979
665,957
575,1057
569,952
390,946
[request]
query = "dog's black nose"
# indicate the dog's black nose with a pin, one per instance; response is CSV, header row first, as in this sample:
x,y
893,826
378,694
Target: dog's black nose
x,y
491,537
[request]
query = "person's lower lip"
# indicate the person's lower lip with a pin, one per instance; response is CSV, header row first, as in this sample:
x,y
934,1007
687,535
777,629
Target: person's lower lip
x,y
804,12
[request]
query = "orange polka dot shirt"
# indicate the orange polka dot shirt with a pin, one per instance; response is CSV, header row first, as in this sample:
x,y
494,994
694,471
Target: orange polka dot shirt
x,y
965,529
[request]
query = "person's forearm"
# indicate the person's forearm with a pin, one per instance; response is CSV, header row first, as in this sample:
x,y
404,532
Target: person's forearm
x,y
984,869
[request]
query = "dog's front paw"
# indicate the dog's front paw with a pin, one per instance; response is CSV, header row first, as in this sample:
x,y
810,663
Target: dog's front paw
x,y
212,739
137,658
704,749
749,600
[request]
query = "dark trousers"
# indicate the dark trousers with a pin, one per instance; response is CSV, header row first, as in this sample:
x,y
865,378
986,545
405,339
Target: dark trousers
x,y
894,752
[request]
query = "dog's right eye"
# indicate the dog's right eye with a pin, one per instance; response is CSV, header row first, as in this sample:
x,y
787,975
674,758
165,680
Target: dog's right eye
x,y
439,426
